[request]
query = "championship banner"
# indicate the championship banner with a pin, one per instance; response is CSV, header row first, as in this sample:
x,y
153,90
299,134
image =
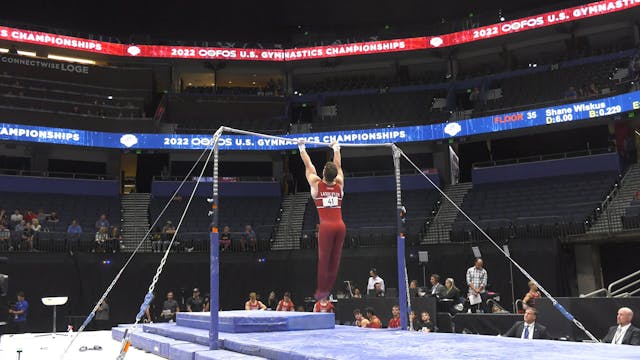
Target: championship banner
x,y
320,52
488,124
532,22
61,41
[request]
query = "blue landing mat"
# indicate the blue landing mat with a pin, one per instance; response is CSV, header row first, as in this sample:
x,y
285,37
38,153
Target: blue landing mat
x,y
242,321
200,352
175,349
155,344
349,343
195,336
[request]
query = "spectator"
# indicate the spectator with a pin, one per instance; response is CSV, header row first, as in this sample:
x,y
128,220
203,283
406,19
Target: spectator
x,y
413,320
20,226
571,93
373,279
248,236
74,228
195,303
168,229
162,244
533,294
451,291
357,294
497,309
102,222
377,290
323,305
225,239
528,329
4,218
593,90
169,308
374,321
26,240
624,333
361,321
102,237
474,97
5,238
437,290
477,281
102,316
116,239
272,301
413,284
394,322
16,217
41,216
156,239
29,216
253,303
53,217
19,311
35,224
285,304
52,220
425,324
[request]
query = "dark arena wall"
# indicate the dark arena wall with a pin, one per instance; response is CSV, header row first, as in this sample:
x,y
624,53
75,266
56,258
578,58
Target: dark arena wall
x,y
84,276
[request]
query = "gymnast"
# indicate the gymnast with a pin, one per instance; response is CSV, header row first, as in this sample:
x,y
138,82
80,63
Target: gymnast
x,y
327,195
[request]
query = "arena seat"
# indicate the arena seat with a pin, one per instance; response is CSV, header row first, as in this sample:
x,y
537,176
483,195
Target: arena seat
x,y
537,208
236,212
370,216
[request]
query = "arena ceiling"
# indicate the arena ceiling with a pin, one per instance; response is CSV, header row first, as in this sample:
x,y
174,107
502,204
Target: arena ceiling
x,y
255,20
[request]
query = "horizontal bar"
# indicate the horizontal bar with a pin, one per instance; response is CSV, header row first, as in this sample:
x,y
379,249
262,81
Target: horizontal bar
x,y
295,141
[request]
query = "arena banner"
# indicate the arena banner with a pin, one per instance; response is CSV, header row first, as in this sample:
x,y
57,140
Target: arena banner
x,y
510,121
61,41
320,52
533,22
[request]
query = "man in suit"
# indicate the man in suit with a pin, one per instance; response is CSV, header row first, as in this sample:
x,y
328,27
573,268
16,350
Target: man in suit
x,y
528,329
438,290
624,333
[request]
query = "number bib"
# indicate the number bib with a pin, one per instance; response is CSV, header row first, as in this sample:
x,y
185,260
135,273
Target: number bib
x,y
330,201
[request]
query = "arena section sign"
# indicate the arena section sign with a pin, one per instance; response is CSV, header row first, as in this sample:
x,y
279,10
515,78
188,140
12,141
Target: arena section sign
x,y
41,63
495,123
320,52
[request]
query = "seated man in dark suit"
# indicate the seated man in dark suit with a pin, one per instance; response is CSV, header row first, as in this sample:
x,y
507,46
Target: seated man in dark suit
x,y
624,333
528,329
437,290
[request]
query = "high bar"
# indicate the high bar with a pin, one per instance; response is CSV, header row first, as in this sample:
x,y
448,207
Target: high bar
x,y
295,141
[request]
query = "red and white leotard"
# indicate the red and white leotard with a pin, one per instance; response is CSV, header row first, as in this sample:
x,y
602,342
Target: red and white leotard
x,y
331,234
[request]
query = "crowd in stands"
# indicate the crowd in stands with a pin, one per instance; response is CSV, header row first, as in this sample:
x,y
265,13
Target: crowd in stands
x,y
247,240
25,232
68,98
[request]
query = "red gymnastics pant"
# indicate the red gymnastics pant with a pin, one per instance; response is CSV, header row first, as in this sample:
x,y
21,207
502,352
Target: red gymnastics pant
x,y
330,239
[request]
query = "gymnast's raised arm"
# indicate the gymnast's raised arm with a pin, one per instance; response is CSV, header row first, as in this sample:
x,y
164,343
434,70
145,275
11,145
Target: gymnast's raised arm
x,y
337,159
310,169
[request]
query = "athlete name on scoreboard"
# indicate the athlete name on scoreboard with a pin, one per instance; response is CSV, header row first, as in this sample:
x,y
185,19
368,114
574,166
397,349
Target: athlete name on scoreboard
x,y
579,111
